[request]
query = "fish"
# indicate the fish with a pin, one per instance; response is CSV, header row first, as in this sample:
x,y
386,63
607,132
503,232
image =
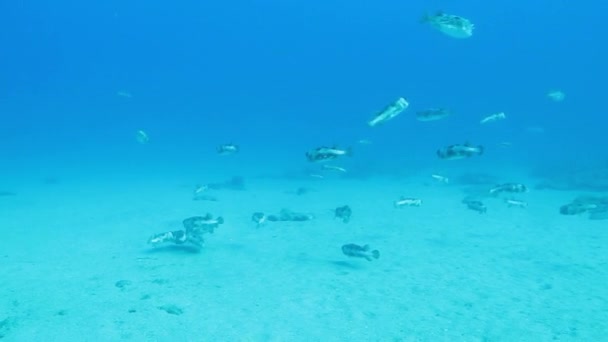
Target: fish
x,y
227,149
493,117
459,151
449,24
142,137
516,203
344,213
390,112
200,194
407,202
288,215
323,153
202,224
477,206
576,208
364,141
177,236
441,179
595,206
356,251
432,114
200,189
259,218
509,187
556,95
334,168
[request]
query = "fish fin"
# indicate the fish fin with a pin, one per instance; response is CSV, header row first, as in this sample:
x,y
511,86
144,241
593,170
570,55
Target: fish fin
x,y
376,254
368,258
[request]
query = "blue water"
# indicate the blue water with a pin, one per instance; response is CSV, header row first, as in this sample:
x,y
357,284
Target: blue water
x,y
279,78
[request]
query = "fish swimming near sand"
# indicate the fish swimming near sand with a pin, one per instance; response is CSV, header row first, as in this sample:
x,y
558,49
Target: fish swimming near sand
x,y
357,251
441,179
178,237
597,207
206,224
475,205
259,218
432,114
508,187
516,203
344,213
407,202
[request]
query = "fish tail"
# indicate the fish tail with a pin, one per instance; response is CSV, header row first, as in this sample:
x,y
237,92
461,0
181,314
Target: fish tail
x,y
220,220
376,254
481,148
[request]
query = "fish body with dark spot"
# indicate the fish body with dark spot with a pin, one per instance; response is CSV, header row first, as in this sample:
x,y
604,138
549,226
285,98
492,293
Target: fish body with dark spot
x,y
357,251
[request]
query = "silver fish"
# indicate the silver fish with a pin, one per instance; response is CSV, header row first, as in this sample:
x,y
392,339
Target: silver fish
x,y
389,112
227,149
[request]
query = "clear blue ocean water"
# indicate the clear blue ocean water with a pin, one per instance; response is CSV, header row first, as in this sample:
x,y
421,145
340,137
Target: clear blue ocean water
x,y
78,79
280,77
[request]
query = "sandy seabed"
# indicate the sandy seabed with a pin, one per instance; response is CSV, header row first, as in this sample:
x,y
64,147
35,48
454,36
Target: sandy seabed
x,y
75,265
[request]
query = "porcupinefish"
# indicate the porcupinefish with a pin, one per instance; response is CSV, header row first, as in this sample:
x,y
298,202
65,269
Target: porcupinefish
x,y
451,25
475,205
327,153
459,151
344,213
356,251
508,187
